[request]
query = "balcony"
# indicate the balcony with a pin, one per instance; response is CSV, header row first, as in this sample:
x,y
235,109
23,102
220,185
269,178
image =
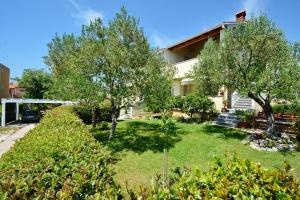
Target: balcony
x,y
184,67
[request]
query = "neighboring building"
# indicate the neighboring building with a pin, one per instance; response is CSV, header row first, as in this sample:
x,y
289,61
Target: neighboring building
x,y
4,81
184,55
15,91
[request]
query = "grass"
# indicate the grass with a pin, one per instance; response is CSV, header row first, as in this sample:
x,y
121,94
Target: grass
x,y
8,130
138,148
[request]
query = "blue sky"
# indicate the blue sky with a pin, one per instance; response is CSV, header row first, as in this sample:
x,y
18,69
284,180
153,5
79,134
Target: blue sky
x,y
27,26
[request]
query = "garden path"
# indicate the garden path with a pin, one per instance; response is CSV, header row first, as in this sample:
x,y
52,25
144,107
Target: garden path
x,y
8,141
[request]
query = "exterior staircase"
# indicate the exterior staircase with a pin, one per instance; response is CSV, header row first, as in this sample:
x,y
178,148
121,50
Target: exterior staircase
x,y
228,119
241,103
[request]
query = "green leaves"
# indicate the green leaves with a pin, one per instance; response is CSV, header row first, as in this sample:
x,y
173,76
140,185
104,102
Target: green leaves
x,y
207,72
235,178
257,58
254,59
36,82
194,103
156,87
113,62
57,159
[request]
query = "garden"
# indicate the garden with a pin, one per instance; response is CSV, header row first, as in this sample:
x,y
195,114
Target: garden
x,y
139,145
63,158
85,152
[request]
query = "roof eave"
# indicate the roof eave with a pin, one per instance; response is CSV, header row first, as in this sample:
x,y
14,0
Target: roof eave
x,y
220,26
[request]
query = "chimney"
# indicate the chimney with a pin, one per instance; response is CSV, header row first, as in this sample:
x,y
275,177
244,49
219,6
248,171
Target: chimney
x,y
240,16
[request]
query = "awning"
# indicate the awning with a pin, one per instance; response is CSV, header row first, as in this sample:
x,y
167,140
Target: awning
x,y
186,81
4,101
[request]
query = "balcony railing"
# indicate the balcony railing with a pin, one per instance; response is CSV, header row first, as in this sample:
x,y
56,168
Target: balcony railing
x,y
184,67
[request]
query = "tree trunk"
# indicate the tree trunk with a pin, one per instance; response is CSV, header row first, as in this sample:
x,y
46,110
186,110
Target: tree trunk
x,y
270,120
94,116
267,108
114,117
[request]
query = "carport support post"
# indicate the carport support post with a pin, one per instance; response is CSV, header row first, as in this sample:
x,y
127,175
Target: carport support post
x,y
17,111
3,113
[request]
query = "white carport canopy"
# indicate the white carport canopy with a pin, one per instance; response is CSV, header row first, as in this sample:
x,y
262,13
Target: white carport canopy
x,y
21,101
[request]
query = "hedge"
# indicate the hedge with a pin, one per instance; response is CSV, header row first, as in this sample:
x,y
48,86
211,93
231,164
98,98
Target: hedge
x,y
235,178
59,159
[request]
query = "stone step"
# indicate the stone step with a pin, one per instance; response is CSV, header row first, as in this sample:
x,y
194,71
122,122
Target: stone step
x,y
228,114
225,124
227,121
228,117
243,102
242,107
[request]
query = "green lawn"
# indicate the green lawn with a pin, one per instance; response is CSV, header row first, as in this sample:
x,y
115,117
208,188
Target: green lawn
x,y
138,149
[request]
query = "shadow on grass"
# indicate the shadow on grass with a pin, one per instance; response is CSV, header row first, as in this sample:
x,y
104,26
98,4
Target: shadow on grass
x,y
138,136
224,133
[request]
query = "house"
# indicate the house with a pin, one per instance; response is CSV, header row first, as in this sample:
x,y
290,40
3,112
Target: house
x,y
4,81
184,55
15,91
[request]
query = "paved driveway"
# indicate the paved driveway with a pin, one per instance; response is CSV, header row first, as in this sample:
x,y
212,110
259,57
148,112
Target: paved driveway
x,y
8,139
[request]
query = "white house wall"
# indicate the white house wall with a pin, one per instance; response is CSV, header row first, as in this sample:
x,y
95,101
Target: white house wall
x,y
176,88
218,100
184,67
171,57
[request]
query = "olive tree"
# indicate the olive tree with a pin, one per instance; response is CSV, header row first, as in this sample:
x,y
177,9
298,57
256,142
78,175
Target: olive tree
x,y
255,59
113,62
75,73
207,79
156,89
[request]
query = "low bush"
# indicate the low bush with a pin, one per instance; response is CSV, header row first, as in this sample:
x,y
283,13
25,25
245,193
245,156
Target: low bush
x,y
198,107
59,159
234,179
246,116
188,120
175,102
292,108
85,113
102,126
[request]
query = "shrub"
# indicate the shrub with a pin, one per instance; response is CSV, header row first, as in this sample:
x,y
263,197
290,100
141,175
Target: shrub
x,y
195,104
246,116
292,108
175,102
59,159
234,179
168,125
103,126
85,113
